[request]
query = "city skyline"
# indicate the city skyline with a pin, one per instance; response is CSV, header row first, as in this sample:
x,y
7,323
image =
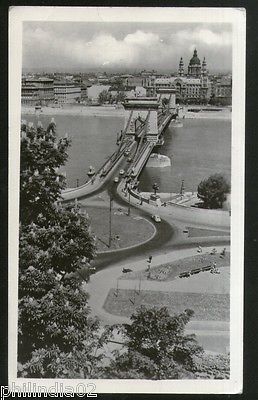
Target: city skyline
x,y
118,47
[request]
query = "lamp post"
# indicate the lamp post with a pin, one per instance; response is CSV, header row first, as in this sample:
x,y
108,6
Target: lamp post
x,y
129,199
155,187
110,221
182,189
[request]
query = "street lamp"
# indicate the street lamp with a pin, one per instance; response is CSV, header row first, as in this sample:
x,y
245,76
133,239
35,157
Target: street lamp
x,y
110,221
129,207
155,187
182,189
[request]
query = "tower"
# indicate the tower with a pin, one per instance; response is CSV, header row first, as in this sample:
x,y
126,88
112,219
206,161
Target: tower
x,y
204,67
204,73
205,85
194,67
181,67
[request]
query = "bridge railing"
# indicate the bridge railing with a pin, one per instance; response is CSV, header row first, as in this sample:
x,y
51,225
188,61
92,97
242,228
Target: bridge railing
x,y
137,196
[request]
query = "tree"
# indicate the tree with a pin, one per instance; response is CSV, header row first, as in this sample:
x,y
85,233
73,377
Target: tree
x,y
213,191
104,96
58,337
42,154
120,97
156,346
55,325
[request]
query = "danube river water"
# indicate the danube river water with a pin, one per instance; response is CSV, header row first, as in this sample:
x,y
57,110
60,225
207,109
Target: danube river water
x,y
201,148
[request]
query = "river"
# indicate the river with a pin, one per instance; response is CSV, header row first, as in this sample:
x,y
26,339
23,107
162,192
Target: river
x,y
202,147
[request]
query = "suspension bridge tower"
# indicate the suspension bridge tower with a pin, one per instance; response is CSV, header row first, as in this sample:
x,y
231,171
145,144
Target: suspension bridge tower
x,y
142,113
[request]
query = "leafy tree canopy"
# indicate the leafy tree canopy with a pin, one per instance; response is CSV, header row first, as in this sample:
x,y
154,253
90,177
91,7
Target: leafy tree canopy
x,y
54,317
42,154
213,191
157,347
104,96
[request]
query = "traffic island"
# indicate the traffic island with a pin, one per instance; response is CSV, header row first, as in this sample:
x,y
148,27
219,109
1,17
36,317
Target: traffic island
x,y
116,229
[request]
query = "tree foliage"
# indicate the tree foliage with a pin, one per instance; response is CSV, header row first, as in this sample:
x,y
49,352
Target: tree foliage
x,y
42,154
104,96
209,366
54,317
213,191
157,346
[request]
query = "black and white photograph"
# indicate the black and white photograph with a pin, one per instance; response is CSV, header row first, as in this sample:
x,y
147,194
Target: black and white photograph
x,y
127,184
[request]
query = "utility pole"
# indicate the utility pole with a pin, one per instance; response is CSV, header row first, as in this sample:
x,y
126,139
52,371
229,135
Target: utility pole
x,y
182,189
110,221
116,293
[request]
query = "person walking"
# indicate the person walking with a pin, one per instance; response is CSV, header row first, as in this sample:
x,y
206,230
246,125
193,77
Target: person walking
x,y
199,249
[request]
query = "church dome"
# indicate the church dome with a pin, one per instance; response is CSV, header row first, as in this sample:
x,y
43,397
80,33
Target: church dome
x,y
195,60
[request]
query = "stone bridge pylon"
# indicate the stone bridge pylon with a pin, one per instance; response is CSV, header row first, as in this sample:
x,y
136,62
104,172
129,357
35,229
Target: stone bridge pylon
x,y
169,94
139,111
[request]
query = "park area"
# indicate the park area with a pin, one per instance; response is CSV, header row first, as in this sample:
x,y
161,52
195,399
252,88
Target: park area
x,y
126,230
213,307
169,271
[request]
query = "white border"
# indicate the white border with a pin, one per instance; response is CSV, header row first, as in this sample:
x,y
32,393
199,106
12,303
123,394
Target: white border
x,y
237,18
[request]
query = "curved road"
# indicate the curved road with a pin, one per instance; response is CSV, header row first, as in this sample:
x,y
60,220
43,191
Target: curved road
x,y
167,238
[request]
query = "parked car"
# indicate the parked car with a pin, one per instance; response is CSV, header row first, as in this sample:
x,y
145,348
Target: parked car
x,y
116,179
156,218
121,172
127,152
125,270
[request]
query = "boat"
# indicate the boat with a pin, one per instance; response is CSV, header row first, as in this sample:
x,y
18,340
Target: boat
x,y
158,160
91,171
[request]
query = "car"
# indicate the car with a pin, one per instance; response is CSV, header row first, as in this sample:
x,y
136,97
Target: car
x,y
129,159
121,172
125,270
127,152
116,179
156,218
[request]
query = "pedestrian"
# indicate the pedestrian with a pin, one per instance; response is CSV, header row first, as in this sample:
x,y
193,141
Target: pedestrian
x,y
214,268
223,253
199,249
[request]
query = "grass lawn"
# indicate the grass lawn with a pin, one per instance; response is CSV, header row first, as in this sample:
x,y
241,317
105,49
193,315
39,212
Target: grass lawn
x,y
126,230
168,272
205,306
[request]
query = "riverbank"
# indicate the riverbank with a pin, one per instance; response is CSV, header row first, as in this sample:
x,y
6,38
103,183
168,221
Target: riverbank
x,y
224,114
93,111
109,110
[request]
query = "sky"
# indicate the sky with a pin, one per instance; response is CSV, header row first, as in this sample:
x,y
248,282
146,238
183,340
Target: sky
x,y
123,46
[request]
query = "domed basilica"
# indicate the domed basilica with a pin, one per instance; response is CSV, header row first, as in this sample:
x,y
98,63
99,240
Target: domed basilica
x,y
192,87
